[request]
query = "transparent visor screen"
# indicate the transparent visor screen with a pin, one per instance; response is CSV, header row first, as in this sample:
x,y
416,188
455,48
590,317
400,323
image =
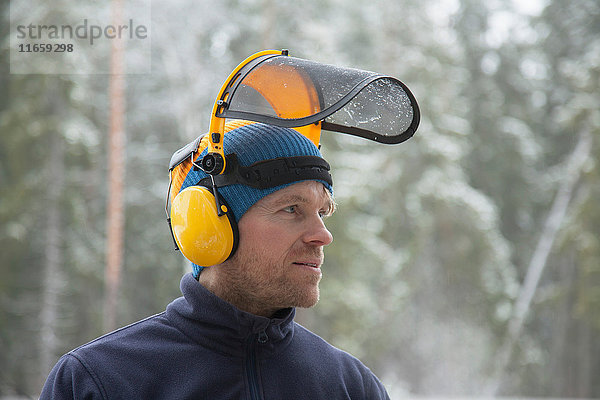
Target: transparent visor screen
x,y
291,88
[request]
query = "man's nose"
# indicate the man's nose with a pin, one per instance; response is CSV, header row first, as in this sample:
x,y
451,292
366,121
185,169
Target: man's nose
x,y
317,233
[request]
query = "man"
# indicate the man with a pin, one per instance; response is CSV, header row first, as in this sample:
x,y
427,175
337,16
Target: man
x,y
232,334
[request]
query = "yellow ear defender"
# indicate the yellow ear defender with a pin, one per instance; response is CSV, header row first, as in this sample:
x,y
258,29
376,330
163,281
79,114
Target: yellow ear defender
x,y
204,237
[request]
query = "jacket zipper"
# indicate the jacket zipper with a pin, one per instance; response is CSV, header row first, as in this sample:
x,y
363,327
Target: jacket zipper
x,y
251,364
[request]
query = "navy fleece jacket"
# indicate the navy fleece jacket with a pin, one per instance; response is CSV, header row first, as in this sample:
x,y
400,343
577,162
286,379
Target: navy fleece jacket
x,y
202,347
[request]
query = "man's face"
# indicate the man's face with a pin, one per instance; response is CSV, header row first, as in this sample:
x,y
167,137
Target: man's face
x,y
277,263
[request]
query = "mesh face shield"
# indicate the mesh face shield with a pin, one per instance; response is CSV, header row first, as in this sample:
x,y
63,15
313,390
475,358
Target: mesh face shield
x,y
306,95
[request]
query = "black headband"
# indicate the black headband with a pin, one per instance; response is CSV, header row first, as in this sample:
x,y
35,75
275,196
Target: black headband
x,y
270,173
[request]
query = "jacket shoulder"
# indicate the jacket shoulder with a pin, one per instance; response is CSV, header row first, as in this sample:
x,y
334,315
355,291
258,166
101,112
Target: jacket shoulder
x,y
111,361
325,349
340,365
70,379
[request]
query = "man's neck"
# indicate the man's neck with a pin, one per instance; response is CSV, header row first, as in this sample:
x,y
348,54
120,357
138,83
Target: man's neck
x,y
222,288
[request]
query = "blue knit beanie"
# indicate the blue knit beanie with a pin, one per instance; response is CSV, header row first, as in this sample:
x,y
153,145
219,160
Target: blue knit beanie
x,y
254,143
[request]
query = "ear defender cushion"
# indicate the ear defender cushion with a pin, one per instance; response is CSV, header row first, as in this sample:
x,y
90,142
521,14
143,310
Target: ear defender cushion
x,y
203,237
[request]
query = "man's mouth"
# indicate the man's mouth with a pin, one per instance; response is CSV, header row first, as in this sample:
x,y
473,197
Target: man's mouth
x,y
308,264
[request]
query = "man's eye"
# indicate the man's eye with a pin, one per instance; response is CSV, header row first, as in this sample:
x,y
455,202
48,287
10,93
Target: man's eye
x,y
290,209
325,214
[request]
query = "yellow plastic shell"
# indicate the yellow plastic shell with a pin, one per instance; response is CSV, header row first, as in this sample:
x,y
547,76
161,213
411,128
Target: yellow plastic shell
x,y
203,237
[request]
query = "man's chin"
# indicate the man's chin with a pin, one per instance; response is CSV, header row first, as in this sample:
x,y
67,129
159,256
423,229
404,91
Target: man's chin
x,y
309,301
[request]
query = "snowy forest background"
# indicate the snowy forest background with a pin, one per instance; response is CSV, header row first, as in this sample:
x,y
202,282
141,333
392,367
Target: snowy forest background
x,y
466,261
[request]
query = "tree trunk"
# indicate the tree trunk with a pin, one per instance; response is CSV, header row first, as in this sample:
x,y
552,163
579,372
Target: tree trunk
x,y
116,173
540,256
53,257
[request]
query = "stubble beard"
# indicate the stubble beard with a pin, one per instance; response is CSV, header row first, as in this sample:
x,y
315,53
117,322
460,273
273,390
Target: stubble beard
x,y
261,288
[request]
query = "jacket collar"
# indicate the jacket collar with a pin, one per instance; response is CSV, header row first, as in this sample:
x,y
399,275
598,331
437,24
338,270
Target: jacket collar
x,y
212,322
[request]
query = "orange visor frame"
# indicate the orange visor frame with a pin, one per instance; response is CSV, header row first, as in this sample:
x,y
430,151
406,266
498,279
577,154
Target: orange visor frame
x,y
273,88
